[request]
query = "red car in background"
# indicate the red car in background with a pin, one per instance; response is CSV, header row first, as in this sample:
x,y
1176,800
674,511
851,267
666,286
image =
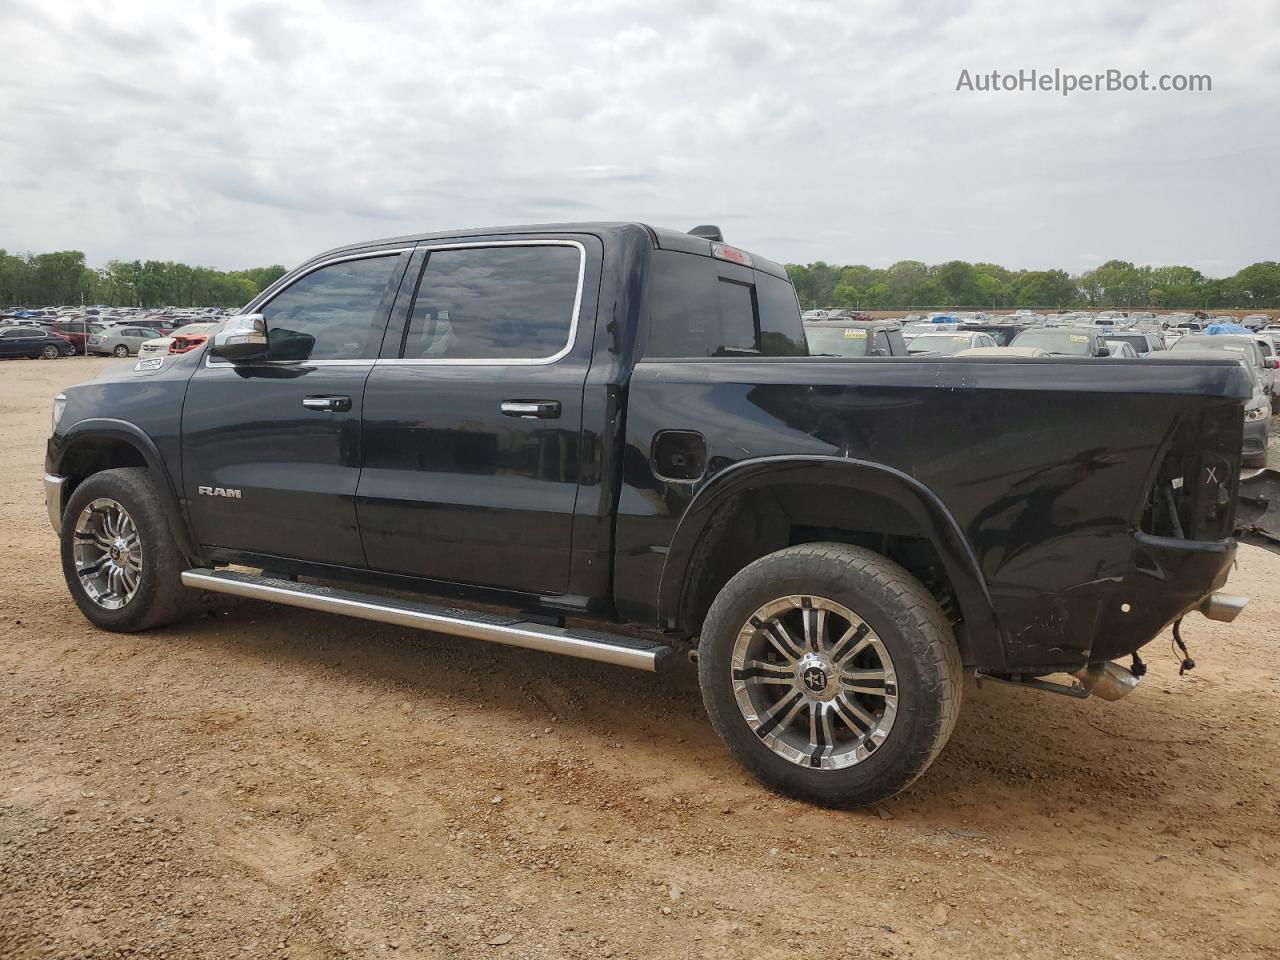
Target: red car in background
x,y
184,342
76,331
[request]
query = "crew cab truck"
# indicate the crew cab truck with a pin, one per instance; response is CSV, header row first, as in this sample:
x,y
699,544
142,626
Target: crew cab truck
x,y
604,424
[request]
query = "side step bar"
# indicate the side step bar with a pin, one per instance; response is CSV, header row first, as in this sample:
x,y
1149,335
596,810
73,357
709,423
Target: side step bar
x,y
584,644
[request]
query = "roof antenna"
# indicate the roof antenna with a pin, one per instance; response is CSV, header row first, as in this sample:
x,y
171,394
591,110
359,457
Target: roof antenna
x,y
708,230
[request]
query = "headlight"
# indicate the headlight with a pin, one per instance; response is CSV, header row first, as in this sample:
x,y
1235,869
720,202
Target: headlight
x,y
59,405
1259,413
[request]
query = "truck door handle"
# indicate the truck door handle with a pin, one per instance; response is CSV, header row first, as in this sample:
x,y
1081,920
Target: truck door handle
x,y
532,409
332,404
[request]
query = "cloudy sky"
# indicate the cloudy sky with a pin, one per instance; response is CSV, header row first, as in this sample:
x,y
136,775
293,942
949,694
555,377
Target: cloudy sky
x,y
243,133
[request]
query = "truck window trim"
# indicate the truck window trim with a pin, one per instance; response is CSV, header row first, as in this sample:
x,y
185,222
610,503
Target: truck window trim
x,y
575,311
280,287
256,305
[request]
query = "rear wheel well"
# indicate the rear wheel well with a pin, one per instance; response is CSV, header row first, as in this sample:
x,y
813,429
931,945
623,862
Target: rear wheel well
x,y
758,522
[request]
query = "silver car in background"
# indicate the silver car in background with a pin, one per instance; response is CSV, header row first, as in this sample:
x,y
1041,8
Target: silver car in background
x,y
118,341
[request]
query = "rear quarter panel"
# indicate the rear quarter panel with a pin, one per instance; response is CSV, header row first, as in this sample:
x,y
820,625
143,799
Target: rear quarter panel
x,y
1045,464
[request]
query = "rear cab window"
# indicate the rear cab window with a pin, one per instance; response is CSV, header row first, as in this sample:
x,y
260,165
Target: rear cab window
x,y
704,307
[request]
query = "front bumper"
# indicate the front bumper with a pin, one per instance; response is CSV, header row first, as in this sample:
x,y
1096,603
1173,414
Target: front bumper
x,y
53,487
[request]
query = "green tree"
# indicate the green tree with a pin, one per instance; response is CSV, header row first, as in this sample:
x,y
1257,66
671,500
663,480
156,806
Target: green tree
x,y
959,283
1257,283
906,280
1045,288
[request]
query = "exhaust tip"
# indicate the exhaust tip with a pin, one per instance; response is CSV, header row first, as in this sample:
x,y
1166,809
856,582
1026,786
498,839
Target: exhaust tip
x,y
1223,606
1107,679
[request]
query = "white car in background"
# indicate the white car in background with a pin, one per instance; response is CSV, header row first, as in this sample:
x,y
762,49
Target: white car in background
x,y
1122,350
159,347
912,330
1009,353
948,343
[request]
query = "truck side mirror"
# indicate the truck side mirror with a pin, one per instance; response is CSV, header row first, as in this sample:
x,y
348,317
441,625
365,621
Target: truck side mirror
x,y
1104,351
242,337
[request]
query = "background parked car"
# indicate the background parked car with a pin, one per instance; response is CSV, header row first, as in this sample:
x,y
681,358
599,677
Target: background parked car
x,y
159,346
1271,365
75,331
1065,341
1001,333
855,338
32,342
119,341
1143,342
950,343
1245,347
1010,353
1257,413
1120,350
183,341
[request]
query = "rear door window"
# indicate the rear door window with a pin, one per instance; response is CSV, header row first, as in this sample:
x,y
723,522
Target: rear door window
x,y
495,303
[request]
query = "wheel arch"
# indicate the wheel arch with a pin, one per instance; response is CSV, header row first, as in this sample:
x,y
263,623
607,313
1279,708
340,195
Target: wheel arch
x,y
762,496
101,443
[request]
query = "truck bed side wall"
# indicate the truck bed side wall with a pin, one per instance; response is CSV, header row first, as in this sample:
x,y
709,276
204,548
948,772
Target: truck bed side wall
x,y
1044,467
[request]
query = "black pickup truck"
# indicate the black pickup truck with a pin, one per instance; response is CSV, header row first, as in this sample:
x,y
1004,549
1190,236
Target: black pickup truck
x,y
617,434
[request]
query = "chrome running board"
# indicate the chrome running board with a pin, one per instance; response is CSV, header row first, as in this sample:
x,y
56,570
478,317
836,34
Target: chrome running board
x,y
584,644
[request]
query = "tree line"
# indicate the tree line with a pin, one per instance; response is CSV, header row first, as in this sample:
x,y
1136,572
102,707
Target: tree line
x,y
55,279
1116,284
63,278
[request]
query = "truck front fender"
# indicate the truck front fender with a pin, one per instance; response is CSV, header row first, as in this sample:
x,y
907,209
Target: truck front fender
x,y
980,639
66,448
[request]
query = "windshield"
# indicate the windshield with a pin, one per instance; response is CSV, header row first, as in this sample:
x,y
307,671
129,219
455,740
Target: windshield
x,y
837,341
1062,342
947,343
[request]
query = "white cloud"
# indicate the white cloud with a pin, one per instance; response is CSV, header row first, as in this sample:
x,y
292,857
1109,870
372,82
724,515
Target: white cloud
x,y
244,133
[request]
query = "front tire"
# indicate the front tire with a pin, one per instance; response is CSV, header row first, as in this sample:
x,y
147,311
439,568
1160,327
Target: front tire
x,y
119,557
51,352
121,351
831,673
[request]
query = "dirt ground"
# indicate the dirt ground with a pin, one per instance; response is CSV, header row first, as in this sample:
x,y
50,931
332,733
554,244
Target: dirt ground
x,y
268,782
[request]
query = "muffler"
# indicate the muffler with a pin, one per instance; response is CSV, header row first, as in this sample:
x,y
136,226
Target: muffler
x,y
1107,679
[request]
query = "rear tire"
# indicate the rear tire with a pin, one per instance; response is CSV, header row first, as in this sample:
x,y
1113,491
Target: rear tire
x,y
836,723
119,557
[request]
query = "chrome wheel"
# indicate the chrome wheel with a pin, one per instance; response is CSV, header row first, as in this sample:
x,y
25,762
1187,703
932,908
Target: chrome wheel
x,y
50,352
814,682
121,350
107,554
